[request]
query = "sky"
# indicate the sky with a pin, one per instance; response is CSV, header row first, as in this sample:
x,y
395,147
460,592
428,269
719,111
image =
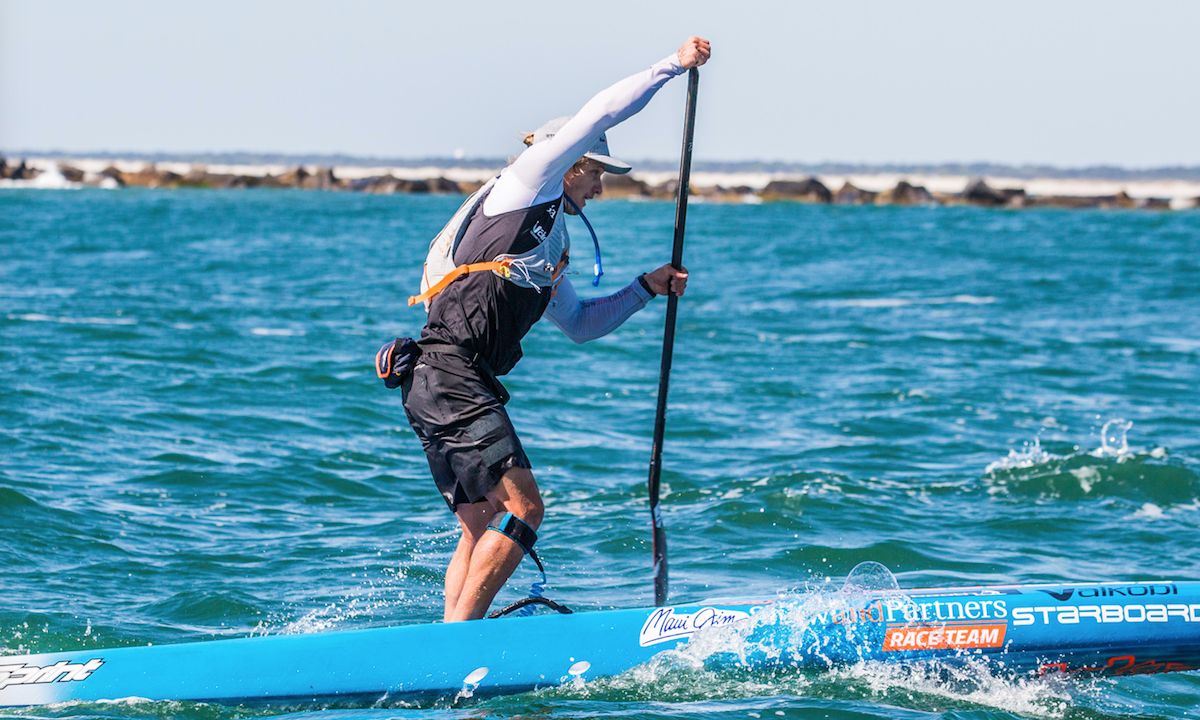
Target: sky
x,y
1061,82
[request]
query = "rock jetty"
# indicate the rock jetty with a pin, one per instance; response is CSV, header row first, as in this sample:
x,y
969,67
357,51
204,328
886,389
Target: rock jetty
x,y
976,192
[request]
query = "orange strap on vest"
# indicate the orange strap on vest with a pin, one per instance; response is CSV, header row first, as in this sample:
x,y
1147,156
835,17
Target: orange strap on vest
x,y
500,266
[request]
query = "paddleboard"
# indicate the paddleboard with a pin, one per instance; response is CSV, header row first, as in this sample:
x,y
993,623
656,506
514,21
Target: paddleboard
x,y
1108,629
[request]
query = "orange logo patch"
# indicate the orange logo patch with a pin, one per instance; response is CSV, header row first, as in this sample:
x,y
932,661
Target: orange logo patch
x,y
943,637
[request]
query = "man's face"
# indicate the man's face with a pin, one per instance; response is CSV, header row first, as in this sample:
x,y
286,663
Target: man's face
x,y
584,185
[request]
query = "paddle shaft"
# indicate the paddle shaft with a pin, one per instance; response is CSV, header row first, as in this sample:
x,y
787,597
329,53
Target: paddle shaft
x,y
664,373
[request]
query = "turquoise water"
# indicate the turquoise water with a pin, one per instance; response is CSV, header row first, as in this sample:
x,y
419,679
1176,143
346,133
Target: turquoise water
x,y
193,443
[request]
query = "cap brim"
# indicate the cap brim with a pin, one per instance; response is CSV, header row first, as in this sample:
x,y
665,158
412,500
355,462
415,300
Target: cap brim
x,y
610,164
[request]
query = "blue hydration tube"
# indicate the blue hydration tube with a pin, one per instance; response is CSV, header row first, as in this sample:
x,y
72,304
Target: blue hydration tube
x,y
598,267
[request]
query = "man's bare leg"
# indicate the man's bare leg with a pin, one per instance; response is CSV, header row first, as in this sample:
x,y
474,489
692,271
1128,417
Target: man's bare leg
x,y
495,555
474,519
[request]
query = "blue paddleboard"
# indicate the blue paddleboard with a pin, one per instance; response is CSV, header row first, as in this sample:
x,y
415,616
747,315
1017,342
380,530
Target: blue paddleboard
x,y
1110,629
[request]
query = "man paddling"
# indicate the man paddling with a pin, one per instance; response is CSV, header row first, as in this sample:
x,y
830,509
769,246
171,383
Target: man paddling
x,y
510,261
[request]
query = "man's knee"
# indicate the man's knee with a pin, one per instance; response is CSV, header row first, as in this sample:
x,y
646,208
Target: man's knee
x,y
532,513
520,496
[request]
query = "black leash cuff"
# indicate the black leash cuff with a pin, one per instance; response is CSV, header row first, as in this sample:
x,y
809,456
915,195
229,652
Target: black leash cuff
x,y
519,532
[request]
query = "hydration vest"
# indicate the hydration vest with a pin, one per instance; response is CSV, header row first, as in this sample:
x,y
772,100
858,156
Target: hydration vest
x,y
440,269
537,269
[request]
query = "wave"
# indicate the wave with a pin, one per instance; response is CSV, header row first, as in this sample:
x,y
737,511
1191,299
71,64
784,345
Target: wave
x,y
897,302
10,498
194,607
50,178
1112,470
65,320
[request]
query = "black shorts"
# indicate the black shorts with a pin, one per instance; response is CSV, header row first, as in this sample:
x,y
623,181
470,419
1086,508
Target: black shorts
x,y
461,422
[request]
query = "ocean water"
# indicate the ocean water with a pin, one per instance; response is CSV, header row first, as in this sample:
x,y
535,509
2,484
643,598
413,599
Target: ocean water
x,y
193,443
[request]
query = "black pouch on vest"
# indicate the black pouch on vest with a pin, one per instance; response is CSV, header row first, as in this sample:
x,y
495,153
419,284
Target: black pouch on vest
x,y
395,360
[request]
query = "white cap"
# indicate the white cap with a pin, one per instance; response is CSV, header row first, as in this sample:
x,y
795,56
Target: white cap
x,y
598,152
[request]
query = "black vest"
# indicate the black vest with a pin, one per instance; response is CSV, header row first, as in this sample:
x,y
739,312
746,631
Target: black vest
x,y
482,312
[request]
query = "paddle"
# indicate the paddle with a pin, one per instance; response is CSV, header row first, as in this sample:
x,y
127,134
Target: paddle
x,y
664,372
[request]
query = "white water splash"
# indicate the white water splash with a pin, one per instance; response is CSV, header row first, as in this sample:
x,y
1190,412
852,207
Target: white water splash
x,y
1114,440
1149,511
50,178
1114,444
897,302
867,576
974,682
684,673
1087,477
575,673
1030,455
471,683
376,596
65,320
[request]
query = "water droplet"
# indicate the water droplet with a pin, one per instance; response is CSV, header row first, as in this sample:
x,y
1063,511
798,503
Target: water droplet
x,y
870,575
1113,440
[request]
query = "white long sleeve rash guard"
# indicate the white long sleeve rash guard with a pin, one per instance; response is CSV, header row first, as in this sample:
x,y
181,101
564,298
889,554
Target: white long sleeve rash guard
x,y
583,320
489,314
536,177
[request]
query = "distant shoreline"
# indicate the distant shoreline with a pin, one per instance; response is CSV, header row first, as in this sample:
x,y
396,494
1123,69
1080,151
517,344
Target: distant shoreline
x,y
1024,171
870,185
